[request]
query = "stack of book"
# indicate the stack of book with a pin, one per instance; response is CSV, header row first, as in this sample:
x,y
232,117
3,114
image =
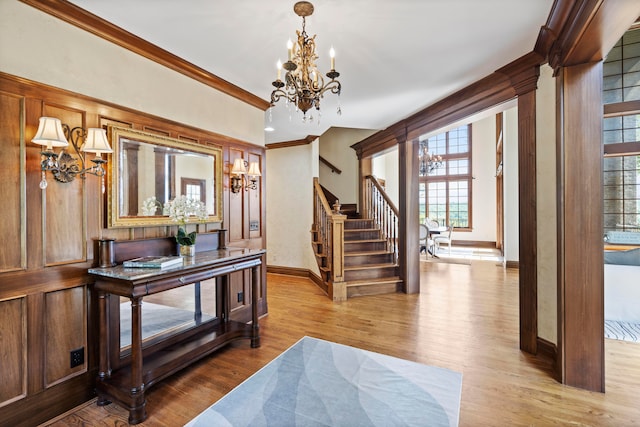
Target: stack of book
x,y
153,262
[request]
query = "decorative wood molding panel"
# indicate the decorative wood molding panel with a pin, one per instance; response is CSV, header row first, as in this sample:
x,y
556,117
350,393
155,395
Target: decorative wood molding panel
x,y
236,202
13,357
12,223
63,210
254,201
65,320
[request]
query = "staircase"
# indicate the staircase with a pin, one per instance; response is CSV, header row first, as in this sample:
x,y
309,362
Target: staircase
x,y
369,268
356,257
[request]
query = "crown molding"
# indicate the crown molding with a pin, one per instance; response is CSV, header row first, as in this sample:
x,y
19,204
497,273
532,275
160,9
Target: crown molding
x,y
87,21
306,140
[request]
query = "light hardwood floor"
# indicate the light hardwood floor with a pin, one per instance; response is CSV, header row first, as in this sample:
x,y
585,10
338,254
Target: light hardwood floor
x,y
465,319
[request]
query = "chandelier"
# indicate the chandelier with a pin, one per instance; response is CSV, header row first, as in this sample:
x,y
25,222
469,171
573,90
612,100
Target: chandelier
x,y
428,161
303,84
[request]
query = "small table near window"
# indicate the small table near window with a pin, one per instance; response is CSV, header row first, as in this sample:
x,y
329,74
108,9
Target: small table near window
x,y
124,376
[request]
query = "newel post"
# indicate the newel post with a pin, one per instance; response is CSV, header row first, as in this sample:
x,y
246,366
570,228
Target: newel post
x,y
337,285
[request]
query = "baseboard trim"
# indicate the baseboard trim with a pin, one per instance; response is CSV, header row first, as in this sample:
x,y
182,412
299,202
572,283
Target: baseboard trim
x,y
549,351
288,271
512,264
475,243
298,272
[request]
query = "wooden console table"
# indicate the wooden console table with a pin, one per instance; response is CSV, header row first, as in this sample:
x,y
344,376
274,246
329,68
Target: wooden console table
x,y
125,379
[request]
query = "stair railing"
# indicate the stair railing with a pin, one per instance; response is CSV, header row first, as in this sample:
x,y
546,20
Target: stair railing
x,y
384,213
328,227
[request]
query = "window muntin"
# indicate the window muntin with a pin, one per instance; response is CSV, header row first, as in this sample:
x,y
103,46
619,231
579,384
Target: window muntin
x,y
622,193
621,137
445,193
621,70
621,129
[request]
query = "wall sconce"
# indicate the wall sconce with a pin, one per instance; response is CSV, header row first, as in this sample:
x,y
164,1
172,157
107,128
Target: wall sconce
x,y
64,167
239,174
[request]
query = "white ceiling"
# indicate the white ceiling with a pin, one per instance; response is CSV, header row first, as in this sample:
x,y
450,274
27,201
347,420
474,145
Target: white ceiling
x,y
395,57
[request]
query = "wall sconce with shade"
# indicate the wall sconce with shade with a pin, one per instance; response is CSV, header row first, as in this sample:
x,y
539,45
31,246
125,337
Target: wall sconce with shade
x,y
239,173
64,167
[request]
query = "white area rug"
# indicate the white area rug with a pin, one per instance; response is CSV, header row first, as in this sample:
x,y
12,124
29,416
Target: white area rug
x,y
623,331
320,383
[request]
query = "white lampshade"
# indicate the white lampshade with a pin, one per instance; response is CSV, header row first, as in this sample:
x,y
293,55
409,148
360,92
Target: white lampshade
x,y
254,169
238,167
50,133
96,141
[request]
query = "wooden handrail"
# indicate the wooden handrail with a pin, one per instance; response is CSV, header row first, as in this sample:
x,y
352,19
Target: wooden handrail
x,y
328,163
383,193
318,190
384,213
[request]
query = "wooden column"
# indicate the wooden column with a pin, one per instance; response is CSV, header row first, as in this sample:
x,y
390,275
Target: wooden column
x,y
580,229
408,227
528,255
523,75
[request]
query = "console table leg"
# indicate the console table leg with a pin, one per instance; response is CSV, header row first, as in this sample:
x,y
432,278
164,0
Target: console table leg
x,y
138,415
197,316
255,332
103,361
137,401
102,401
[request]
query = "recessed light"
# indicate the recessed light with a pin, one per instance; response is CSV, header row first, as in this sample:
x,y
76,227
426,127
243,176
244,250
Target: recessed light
x,y
269,129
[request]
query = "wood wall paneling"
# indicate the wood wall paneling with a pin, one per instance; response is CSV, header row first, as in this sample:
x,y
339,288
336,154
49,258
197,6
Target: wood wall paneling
x,y
64,204
57,227
254,200
236,203
13,350
65,321
236,287
34,223
13,255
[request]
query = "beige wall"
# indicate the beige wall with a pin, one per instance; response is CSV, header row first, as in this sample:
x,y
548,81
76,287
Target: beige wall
x,y
385,166
335,147
483,136
510,174
546,206
40,47
290,173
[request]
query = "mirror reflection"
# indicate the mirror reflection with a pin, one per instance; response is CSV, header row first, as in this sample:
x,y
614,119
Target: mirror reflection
x,y
169,312
150,170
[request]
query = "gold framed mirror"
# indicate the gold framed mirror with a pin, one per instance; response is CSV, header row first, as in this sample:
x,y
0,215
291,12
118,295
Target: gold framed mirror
x,y
148,170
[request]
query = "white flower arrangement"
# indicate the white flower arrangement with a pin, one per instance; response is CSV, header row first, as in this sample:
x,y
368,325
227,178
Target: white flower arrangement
x,y
150,205
180,210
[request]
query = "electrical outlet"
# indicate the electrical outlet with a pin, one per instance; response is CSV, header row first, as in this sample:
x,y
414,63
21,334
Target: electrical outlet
x,y
77,357
240,296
